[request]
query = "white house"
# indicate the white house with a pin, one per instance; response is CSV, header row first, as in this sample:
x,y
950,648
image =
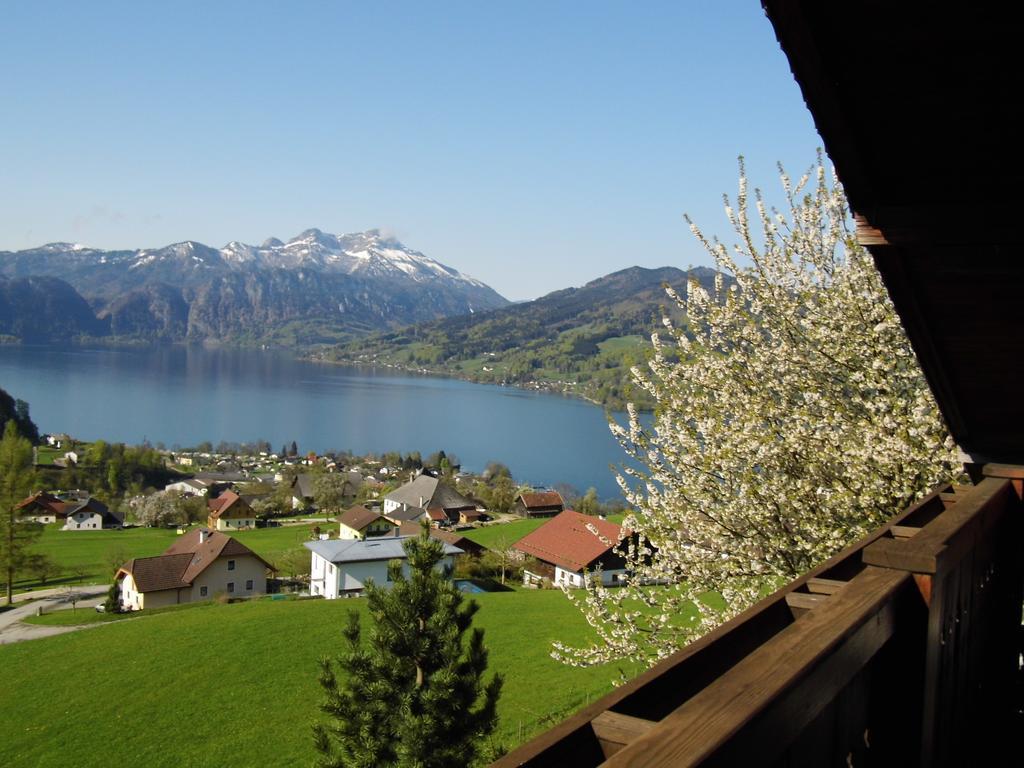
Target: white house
x,y
341,568
89,515
189,487
426,496
197,566
358,522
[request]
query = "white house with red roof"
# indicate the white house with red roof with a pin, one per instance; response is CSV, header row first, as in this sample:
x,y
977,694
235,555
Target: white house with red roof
x,y
197,566
571,547
230,512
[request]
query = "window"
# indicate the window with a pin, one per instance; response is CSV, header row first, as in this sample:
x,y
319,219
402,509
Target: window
x,y
231,565
248,585
203,591
231,586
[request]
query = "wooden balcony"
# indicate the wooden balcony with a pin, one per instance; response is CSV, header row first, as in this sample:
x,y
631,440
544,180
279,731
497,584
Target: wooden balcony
x,y
904,649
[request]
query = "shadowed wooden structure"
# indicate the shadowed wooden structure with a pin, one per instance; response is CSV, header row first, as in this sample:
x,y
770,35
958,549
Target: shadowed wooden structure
x,y
905,648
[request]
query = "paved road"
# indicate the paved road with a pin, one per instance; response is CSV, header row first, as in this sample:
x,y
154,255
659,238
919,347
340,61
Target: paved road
x,y
12,630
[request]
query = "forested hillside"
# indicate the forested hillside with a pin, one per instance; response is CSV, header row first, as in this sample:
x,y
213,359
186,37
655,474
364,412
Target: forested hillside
x,y
581,341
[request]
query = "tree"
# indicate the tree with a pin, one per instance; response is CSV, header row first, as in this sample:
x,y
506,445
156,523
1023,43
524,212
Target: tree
x,y
502,557
159,509
589,503
329,491
414,695
16,534
42,567
792,418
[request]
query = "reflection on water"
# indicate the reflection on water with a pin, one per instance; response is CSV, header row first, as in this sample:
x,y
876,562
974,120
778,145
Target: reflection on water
x,y
184,395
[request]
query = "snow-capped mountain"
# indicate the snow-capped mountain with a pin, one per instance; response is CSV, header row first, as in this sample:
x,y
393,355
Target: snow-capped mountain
x,y
349,283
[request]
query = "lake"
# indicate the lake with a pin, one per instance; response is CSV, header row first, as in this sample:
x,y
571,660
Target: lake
x,y
180,395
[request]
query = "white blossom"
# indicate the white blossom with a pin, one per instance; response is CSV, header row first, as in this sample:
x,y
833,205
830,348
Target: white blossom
x,y
791,419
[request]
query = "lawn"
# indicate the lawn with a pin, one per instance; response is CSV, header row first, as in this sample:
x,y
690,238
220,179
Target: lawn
x,y
86,557
509,533
235,685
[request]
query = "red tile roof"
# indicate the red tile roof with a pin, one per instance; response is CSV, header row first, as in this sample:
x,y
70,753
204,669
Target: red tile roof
x,y
45,501
567,540
542,499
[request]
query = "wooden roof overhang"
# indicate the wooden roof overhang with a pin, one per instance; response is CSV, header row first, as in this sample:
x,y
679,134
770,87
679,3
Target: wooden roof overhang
x,y
914,104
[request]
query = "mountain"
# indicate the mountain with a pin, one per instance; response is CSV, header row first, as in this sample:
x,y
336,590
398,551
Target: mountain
x,y
42,309
578,340
315,287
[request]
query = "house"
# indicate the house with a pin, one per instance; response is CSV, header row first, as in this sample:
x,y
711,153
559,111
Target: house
x,y
442,502
197,566
42,507
90,514
468,546
190,487
229,512
341,568
538,504
570,547
302,491
358,522
404,515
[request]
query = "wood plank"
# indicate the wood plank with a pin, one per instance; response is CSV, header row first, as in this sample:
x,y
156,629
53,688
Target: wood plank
x,y
615,730
782,686
805,600
925,550
904,531
949,498
822,586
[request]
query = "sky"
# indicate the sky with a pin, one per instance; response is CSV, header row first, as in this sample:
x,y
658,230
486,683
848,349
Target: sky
x,y
532,145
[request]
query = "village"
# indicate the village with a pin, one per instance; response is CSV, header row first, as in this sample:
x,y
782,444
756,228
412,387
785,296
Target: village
x,y
317,526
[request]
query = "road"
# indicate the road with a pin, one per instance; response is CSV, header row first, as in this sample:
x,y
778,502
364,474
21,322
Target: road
x,y
12,630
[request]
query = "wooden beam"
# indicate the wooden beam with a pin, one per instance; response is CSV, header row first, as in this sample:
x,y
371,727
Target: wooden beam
x,y
760,705
804,600
903,531
615,730
825,586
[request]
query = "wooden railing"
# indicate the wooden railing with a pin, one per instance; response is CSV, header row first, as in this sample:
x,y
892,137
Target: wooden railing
x,y
903,649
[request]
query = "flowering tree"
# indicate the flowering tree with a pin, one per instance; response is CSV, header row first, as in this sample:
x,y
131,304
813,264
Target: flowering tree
x,y
791,419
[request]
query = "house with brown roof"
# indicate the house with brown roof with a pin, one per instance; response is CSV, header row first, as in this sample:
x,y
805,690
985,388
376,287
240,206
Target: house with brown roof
x,y
197,566
358,522
572,547
441,502
468,546
42,507
230,512
538,504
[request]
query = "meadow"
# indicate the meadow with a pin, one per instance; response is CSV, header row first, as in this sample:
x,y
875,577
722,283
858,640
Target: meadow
x,y
236,685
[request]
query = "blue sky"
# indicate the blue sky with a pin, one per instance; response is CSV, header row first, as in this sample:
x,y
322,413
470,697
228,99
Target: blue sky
x,y
534,145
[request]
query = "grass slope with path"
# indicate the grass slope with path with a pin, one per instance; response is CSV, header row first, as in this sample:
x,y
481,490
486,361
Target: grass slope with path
x,y
236,685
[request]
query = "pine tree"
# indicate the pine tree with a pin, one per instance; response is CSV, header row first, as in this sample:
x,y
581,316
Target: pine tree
x,y
413,695
16,535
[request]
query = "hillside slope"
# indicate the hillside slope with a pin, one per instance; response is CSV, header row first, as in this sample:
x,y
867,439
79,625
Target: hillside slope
x,y
580,341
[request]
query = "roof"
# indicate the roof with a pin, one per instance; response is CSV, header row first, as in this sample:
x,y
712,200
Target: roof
x,y
931,173
184,560
94,506
229,504
405,515
358,517
429,492
303,486
567,540
542,499
353,551
43,500
449,537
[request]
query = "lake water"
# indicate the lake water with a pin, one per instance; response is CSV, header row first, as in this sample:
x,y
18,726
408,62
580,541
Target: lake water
x,y
184,395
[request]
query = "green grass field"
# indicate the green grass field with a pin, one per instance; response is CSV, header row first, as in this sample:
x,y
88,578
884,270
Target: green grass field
x,y
235,685
507,533
86,556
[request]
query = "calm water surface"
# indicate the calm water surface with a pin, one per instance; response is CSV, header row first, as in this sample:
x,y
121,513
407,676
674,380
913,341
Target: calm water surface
x,y
184,395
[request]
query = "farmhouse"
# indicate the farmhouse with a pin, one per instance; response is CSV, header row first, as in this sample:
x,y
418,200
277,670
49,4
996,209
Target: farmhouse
x,y
341,568
468,546
572,546
189,487
358,522
538,504
42,507
230,512
197,566
90,514
442,502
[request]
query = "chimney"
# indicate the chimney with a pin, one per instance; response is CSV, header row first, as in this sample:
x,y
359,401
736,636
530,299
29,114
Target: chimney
x,y
203,534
